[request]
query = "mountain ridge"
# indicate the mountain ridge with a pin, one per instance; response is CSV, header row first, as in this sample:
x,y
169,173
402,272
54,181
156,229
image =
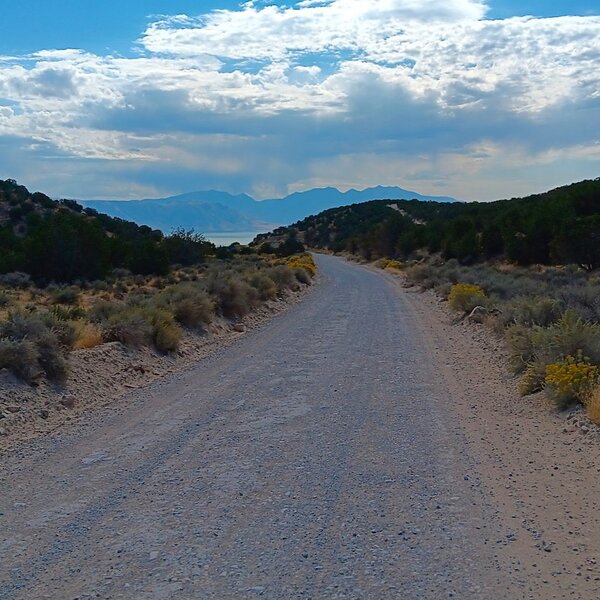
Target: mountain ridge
x,y
214,211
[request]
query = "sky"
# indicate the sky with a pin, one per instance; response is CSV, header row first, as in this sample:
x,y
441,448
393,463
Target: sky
x,y
475,99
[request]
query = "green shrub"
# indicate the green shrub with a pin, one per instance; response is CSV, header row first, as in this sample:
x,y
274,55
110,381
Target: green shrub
x,y
129,327
190,304
72,313
235,297
265,286
166,334
531,311
66,295
283,277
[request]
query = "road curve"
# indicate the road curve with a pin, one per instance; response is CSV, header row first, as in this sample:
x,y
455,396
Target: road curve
x,y
317,458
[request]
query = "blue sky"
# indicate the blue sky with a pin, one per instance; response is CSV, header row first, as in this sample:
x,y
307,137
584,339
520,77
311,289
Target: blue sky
x,y
149,97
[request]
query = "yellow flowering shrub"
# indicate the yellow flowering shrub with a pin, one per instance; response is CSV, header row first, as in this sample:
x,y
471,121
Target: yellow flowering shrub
x,y
573,378
465,296
303,261
391,264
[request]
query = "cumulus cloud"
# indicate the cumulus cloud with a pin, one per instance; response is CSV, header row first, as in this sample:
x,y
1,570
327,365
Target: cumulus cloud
x,y
254,98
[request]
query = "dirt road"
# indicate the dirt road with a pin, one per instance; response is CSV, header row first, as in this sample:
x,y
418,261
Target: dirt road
x,y
319,457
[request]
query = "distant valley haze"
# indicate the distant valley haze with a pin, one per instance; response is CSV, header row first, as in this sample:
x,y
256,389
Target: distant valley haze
x,y
216,212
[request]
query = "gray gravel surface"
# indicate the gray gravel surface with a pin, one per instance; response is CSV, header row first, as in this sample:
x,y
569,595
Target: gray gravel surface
x,y
317,458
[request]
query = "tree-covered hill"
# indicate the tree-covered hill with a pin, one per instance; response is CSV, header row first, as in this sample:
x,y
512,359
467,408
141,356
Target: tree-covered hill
x,y
61,241
557,227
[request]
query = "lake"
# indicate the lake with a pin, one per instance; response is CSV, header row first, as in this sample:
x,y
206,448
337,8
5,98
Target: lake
x,y
225,238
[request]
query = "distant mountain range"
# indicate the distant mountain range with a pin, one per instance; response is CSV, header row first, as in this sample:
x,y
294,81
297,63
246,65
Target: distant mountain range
x,y
218,212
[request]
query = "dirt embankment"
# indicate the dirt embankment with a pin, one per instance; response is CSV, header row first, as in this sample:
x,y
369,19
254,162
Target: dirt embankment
x,y
104,374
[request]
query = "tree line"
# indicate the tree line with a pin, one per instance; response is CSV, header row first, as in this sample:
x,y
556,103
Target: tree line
x,y
61,241
557,227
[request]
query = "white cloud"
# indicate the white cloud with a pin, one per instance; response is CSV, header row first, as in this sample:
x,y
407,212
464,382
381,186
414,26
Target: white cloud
x,y
319,82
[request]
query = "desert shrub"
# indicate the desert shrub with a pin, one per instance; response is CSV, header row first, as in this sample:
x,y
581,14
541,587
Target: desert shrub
x,y
65,331
129,327
102,310
522,346
166,334
37,331
465,297
567,337
584,299
66,295
71,313
283,277
265,286
16,280
234,296
533,379
592,405
531,311
571,380
99,285
194,312
302,276
303,261
189,303
120,273
418,274
5,300
20,357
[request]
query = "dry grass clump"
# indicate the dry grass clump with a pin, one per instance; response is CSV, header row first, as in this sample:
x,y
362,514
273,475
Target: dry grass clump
x,y
592,405
89,336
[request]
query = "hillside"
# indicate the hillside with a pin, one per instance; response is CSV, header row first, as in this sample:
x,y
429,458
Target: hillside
x,y
559,226
61,241
213,211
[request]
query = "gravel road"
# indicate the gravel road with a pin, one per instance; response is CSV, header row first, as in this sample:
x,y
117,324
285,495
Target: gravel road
x,y
319,457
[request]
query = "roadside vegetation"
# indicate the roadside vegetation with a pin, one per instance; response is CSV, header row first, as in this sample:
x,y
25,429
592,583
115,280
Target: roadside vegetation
x,y
549,317
527,267
84,279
